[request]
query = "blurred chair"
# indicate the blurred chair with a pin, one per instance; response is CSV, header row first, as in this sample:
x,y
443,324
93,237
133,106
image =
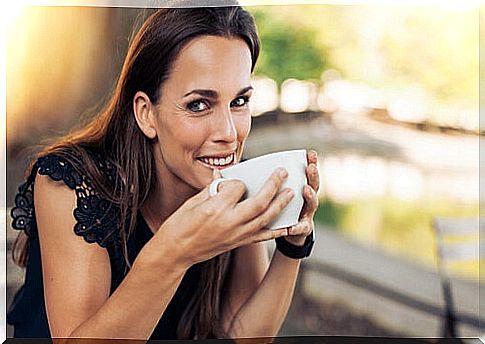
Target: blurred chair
x,y
457,240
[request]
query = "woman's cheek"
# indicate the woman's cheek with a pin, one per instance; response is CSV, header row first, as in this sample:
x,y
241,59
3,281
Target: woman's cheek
x,y
195,132
243,125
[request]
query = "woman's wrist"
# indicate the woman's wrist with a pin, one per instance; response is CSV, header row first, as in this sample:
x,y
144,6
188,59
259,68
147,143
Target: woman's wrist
x,y
296,251
296,240
149,262
159,253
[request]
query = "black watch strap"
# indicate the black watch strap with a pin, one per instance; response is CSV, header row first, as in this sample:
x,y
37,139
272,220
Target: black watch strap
x,y
293,251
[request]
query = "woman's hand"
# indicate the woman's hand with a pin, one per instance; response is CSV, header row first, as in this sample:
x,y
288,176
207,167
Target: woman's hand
x,y
205,226
298,233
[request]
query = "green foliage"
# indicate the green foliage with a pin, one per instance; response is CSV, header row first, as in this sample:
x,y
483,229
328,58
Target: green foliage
x,y
289,50
387,47
330,213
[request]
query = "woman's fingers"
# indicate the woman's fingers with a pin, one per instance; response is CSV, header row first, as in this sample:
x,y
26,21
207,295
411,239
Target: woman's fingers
x,y
311,202
252,207
311,199
312,170
310,191
274,209
313,176
267,234
303,227
230,191
311,156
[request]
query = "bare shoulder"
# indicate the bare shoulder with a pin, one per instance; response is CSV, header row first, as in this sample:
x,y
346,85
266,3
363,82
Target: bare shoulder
x,y
77,274
53,194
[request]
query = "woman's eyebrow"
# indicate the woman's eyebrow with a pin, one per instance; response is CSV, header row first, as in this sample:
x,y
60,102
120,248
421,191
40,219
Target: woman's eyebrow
x,y
204,93
213,94
244,90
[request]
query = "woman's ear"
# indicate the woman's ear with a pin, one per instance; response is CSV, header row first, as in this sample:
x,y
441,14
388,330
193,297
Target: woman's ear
x,y
144,112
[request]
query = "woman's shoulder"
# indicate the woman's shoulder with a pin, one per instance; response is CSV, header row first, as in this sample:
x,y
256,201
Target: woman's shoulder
x,y
81,171
75,165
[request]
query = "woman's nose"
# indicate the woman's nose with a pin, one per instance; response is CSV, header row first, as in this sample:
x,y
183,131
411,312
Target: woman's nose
x,y
224,128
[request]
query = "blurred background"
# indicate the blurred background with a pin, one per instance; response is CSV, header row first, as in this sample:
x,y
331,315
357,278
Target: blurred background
x,y
387,95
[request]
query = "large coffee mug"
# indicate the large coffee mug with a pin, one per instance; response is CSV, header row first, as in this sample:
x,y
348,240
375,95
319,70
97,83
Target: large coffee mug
x,y
255,172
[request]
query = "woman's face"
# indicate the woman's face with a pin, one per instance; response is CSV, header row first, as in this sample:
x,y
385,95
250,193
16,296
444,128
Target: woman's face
x,y
203,117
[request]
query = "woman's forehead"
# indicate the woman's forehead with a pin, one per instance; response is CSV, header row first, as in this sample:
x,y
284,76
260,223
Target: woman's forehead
x,y
211,62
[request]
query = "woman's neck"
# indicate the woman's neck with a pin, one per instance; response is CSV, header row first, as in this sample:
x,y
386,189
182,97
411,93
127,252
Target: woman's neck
x,y
165,197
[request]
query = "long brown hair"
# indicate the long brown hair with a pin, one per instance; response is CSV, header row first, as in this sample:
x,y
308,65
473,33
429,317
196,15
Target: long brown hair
x,y
115,132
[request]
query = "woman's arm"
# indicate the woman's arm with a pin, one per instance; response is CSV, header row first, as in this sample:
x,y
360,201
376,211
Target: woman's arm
x,y
249,264
77,277
250,275
259,309
265,310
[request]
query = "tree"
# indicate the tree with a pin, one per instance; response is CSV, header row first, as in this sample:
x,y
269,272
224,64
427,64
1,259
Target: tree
x,y
289,50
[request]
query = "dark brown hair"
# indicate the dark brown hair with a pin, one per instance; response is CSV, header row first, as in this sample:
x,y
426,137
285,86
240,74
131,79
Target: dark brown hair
x,y
115,132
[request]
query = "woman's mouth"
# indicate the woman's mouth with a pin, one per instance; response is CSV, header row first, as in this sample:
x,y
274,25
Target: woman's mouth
x,y
218,162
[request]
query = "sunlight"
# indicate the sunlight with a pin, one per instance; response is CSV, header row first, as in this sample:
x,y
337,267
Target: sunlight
x,y
451,4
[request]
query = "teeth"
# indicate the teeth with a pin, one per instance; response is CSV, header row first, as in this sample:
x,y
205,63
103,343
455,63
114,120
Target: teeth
x,y
219,161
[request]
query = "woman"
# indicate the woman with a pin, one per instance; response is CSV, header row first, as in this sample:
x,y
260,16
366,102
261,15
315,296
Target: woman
x,y
165,259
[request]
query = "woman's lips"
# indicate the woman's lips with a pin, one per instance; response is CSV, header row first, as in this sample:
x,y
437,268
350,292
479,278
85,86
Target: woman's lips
x,y
218,162
214,167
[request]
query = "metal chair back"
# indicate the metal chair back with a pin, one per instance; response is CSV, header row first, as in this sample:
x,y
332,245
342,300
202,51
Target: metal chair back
x,y
457,240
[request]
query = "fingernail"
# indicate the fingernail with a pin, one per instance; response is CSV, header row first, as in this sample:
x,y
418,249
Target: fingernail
x,y
290,193
282,172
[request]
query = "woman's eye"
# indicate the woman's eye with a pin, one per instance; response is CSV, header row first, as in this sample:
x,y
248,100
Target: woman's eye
x,y
241,101
197,106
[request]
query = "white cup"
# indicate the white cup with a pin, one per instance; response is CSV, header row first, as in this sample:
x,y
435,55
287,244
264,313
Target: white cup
x,y
255,172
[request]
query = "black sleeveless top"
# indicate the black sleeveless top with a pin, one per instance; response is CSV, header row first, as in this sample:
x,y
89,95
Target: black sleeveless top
x,y
97,222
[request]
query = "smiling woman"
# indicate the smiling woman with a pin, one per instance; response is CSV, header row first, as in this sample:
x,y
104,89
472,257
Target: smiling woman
x,y
121,238
203,114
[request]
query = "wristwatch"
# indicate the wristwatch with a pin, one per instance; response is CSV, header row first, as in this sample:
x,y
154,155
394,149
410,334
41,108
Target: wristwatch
x,y
293,251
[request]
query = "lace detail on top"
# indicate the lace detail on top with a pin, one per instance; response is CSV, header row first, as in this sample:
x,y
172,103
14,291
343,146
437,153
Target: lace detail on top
x,y
23,212
97,218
